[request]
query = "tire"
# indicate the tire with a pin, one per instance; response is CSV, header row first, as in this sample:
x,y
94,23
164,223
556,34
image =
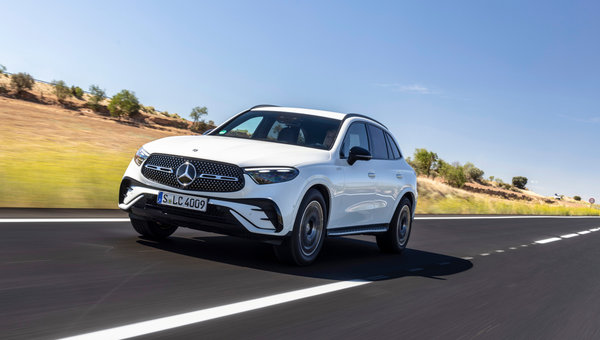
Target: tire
x,y
396,238
153,230
304,244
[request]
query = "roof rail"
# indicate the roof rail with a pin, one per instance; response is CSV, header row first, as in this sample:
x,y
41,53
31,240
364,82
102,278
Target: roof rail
x,y
350,115
262,105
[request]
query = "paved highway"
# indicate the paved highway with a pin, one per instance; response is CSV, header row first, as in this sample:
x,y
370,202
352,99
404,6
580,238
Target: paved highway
x,y
65,274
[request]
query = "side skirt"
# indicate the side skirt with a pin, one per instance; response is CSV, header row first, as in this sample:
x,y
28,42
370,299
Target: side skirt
x,y
367,229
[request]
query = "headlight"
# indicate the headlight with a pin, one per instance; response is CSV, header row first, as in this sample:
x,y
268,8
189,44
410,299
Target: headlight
x,y
271,175
140,156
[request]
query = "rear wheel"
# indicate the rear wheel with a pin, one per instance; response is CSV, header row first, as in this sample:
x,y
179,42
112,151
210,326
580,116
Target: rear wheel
x,y
306,241
153,230
396,238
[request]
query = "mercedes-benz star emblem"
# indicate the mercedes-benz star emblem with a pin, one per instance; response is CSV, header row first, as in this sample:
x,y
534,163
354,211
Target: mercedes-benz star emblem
x,y
186,173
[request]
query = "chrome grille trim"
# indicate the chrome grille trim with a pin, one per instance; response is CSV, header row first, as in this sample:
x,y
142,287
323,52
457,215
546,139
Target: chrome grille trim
x,y
159,168
214,176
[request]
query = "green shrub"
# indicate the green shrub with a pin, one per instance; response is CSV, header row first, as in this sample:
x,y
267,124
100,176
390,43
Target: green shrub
x,y
61,90
577,198
124,103
77,92
2,69
473,173
425,161
21,81
519,181
97,96
454,174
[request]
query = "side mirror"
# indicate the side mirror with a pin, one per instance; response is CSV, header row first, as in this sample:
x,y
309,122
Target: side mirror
x,y
207,132
358,154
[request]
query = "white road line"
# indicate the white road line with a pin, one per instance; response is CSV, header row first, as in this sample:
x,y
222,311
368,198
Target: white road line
x,y
61,220
583,232
512,248
523,245
548,240
484,254
569,235
499,251
83,220
493,217
595,229
467,258
169,322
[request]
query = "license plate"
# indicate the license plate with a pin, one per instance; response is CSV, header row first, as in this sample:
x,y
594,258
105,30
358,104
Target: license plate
x,y
182,201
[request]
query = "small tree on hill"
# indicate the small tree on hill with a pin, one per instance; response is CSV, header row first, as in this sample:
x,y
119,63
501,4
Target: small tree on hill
x,y
425,161
473,173
454,174
2,69
61,90
519,182
77,92
21,81
577,198
124,103
97,96
198,112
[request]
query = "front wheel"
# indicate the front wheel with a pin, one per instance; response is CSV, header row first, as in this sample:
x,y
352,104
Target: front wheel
x,y
153,230
396,238
304,245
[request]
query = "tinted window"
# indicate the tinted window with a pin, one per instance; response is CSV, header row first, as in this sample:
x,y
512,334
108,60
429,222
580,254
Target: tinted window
x,y
395,151
378,145
356,136
283,127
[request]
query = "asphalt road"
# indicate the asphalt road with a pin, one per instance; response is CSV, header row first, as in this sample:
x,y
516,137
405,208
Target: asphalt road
x,y
71,277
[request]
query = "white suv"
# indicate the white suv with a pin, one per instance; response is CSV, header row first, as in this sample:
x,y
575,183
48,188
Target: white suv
x,y
287,176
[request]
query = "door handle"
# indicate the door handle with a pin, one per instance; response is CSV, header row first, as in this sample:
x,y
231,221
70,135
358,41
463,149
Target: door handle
x,y
372,174
399,175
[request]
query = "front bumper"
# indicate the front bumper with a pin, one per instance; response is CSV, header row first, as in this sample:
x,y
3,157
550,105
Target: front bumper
x,y
251,218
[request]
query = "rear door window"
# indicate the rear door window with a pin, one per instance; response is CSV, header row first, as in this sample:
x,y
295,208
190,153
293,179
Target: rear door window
x,y
378,144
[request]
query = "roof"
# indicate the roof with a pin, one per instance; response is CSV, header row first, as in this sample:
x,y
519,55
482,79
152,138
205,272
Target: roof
x,y
320,113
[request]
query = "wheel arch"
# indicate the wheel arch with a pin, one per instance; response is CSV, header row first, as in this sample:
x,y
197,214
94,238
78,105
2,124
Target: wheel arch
x,y
326,196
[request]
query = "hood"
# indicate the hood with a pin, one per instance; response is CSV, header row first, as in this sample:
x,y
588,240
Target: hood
x,y
242,152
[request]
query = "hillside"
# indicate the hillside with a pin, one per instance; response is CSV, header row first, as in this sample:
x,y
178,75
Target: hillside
x,y
65,155
56,157
436,197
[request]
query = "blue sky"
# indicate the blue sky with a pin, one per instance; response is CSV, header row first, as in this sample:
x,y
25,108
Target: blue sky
x,y
511,86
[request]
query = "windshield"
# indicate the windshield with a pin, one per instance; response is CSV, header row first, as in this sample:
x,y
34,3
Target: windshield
x,y
283,127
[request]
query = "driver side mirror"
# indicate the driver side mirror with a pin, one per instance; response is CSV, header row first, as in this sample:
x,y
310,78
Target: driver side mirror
x,y
358,154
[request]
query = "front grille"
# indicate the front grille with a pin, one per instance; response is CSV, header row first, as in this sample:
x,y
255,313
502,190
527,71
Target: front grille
x,y
162,163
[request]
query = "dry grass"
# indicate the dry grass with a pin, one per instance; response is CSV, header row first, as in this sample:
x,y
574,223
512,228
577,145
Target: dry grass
x,y
439,198
53,157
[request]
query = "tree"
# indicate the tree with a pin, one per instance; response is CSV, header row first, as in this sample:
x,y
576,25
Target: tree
x,y
2,69
473,173
77,92
198,112
454,174
61,90
425,161
97,96
124,103
519,182
21,81
577,198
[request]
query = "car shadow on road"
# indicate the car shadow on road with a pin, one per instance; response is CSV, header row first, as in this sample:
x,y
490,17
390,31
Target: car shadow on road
x,y
341,258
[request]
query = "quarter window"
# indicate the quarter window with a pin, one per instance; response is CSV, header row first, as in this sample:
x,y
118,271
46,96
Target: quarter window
x,y
378,144
395,151
356,136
